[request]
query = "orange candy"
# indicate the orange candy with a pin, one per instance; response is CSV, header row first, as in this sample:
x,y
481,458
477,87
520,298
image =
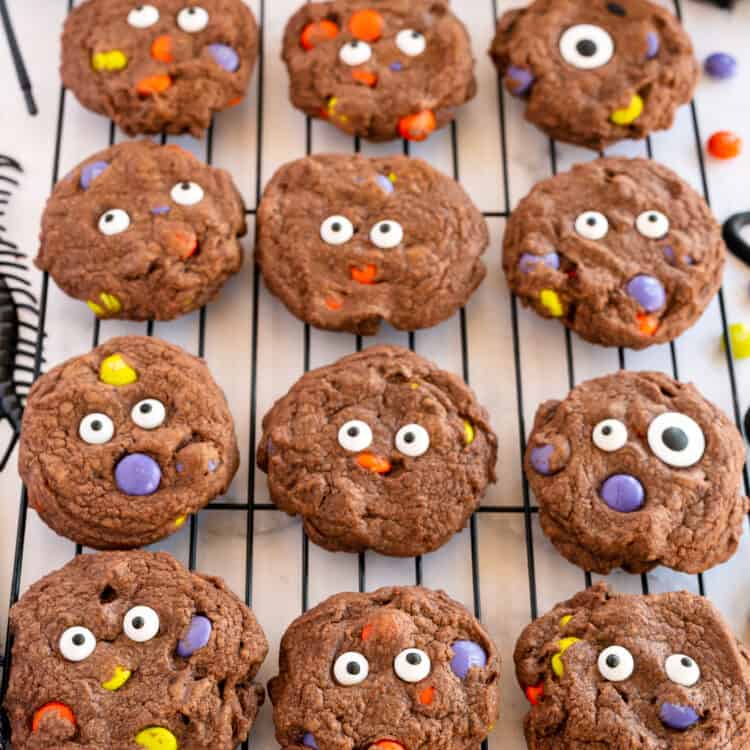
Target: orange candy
x,y
334,304
426,696
161,49
365,275
366,25
724,145
365,77
647,324
48,708
417,127
153,85
388,745
317,32
534,693
374,463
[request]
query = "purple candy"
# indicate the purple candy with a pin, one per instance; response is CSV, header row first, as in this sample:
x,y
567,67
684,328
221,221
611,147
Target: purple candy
x,y
196,638
623,493
225,57
652,45
678,717
648,292
309,741
384,183
91,171
396,66
213,465
466,655
137,474
160,210
519,80
720,65
540,456
179,468
672,259
528,261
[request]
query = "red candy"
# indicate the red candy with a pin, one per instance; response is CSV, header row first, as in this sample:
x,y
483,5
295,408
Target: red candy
x,y
724,145
62,711
534,693
317,32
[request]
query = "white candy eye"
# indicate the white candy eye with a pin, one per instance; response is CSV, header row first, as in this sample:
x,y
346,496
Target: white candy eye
x,y
682,670
77,643
141,624
187,193
355,436
610,435
411,42
412,440
387,234
143,16
149,414
193,19
592,225
114,221
616,664
586,46
336,230
412,665
676,439
355,53
350,669
652,224
96,429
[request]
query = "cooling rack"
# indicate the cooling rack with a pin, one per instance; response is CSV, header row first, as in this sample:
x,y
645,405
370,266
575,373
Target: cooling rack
x,y
501,566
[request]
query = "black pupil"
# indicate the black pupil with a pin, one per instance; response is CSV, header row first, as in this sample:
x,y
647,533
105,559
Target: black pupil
x,y
336,227
145,408
191,11
686,662
413,658
109,217
587,48
617,9
613,661
591,221
186,186
353,431
606,430
385,228
415,35
409,437
353,668
653,218
96,425
138,623
78,639
675,439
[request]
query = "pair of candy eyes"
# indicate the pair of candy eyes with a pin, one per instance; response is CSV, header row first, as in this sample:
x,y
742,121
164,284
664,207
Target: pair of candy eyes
x,y
593,225
191,19
97,429
116,221
616,664
140,624
411,665
411,42
338,230
411,440
674,438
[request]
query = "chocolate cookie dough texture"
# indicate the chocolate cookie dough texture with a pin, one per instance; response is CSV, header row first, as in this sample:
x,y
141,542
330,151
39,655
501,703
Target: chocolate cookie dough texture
x,y
625,672
594,73
124,650
165,66
119,446
636,470
380,450
622,251
396,669
346,242
379,69
141,231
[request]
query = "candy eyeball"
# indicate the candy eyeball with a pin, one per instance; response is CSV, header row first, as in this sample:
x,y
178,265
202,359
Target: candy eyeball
x,y
187,193
586,46
592,225
615,664
141,624
412,665
355,53
610,435
77,643
336,230
192,19
411,42
114,221
350,669
96,429
149,414
355,436
676,439
412,440
682,670
387,234
652,224
143,16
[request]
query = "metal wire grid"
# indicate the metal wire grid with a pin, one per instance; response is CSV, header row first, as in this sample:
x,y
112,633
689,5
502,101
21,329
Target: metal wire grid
x,y
526,510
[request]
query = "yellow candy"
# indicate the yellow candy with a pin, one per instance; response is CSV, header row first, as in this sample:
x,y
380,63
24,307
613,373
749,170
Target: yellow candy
x,y
563,645
551,301
468,433
392,177
565,620
630,114
739,335
115,370
156,738
113,60
332,105
414,386
179,521
120,677
110,304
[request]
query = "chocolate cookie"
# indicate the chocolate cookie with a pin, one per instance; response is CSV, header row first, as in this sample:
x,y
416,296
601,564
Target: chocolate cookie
x,y
380,69
380,450
622,251
143,232
120,445
633,672
596,73
166,66
635,470
396,669
121,650
347,241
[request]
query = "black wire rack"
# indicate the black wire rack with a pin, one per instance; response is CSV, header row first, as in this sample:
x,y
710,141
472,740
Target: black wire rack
x,y
515,370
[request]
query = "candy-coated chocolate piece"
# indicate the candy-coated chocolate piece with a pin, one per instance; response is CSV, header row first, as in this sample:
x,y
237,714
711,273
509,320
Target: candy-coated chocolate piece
x,y
365,275
623,493
647,324
90,172
137,474
528,261
417,127
198,635
156,738
309,741
467,655
720,65
652,45
226,57
113,60
565,620
534,693
118,679
366,25
60,709
648,292
739,336
540,459
724,145
365,77
180,520
317,32
551,302
469,433
153,84
629,114
161,49
678,717
385,183
114,370
563,645
161,210
519,81
427,696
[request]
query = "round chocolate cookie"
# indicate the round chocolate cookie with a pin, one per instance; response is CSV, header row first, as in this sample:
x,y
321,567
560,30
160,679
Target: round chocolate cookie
x,y
347,241
165,66
120,445
636,470
141,232
379,69
596,73
120,650
622,251
396,669
633,672
380,450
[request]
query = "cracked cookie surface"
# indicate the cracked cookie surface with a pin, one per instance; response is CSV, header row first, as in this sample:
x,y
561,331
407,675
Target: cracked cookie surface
x,y
120,650
380,450
119,446
399,669
636,470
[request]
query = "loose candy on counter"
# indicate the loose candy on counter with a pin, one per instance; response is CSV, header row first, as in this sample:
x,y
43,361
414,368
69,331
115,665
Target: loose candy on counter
x,y
720,65
724,145
739,337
